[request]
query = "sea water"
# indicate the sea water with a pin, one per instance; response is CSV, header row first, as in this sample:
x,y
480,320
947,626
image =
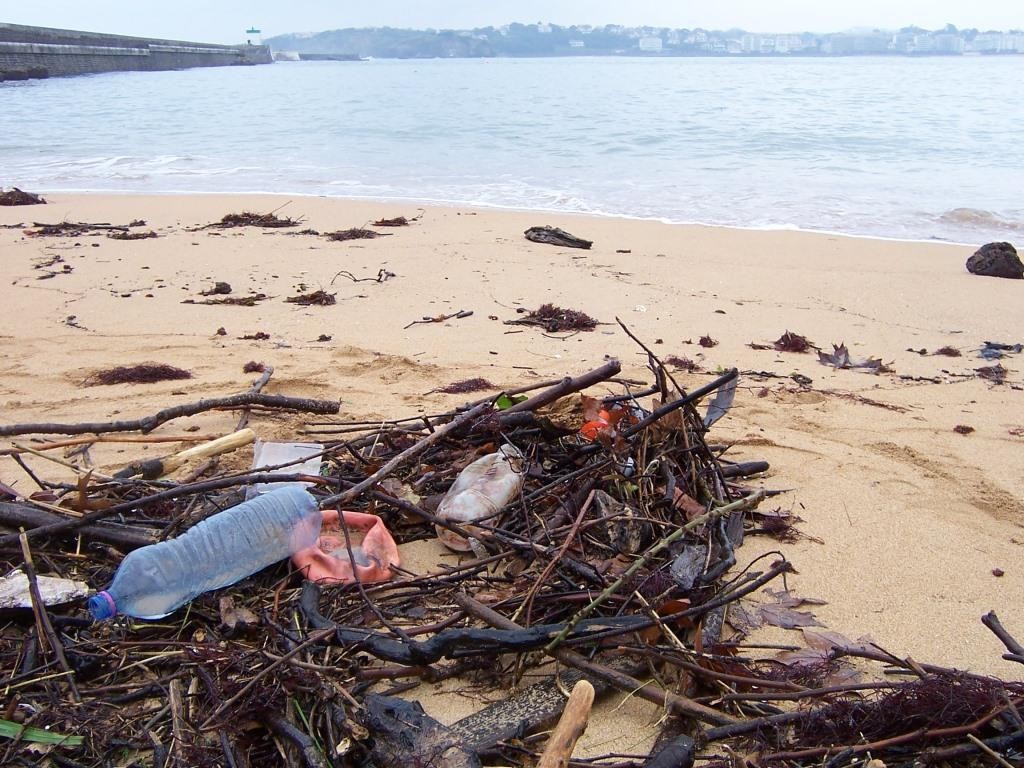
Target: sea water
x,y
918,148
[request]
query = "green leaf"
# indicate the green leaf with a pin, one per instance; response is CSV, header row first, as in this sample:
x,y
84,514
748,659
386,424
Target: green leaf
x,y
11,730
505,402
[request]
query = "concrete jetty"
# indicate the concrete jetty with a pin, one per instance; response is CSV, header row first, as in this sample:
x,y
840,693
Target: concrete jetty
x,y
33,52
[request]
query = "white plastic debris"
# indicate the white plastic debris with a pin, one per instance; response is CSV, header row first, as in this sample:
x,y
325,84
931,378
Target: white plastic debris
x,y
14,591
267,454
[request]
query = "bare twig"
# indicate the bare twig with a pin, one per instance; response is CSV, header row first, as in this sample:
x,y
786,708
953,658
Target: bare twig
x,y
409,453
43,618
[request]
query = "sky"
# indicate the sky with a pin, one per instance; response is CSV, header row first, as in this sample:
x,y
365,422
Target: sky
x,y
225,21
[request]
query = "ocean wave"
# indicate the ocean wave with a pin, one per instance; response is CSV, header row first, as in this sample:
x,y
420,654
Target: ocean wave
x,y
981,219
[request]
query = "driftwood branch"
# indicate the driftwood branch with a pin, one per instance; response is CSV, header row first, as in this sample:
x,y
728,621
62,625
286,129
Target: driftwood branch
x,y
567,386
570,727
177,491
124,537
673,702
1016,650
149,423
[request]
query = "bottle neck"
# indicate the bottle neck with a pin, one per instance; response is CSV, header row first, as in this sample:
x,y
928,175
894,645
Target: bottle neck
x,y
102,606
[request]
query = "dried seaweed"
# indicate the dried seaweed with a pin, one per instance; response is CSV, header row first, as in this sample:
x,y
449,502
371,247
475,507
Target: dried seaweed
x,y
398,221
354,234
944,700
258,336
144,373
792,342
994,373
320,298
947,352
682,363
555,319
707,342
253,367
466,385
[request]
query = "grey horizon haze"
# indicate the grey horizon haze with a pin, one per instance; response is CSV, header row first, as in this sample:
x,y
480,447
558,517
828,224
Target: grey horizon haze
x,y
226,21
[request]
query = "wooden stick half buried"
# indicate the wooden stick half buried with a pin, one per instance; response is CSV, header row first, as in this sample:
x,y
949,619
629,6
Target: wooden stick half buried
x,y
154,468
571,726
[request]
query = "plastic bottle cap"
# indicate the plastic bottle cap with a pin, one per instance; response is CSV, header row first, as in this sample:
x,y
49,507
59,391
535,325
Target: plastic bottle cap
x,y
102,606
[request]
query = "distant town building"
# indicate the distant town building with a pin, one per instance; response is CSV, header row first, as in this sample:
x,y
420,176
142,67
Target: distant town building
x,y
650,44
849,45
577,44
998,42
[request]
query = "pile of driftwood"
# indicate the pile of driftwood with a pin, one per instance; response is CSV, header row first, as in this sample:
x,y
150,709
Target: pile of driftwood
x,y
615,571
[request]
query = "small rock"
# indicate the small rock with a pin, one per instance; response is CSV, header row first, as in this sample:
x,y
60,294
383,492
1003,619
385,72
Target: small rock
x,y
996,260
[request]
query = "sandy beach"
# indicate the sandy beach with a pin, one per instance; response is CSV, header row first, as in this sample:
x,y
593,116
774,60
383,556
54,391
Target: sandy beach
x,y
906,521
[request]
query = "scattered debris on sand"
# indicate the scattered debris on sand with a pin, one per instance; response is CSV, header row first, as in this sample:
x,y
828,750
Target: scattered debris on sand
x,y
147,235
619,555
234,301
220,288
75,229
840,358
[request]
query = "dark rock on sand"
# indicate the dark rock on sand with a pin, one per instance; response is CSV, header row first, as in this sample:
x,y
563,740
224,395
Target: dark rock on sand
x,y
996,260
556,236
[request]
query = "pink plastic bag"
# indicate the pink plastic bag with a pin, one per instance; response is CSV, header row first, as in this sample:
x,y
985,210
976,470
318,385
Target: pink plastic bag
x,y
328,561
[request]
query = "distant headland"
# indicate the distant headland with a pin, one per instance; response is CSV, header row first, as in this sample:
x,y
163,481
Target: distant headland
x,y
614,40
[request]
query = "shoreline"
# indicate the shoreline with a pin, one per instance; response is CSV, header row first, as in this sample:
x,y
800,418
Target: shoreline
x,y
501,208
904,519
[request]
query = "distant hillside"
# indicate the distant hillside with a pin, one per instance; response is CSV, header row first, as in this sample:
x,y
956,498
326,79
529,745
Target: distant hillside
x,y
386,43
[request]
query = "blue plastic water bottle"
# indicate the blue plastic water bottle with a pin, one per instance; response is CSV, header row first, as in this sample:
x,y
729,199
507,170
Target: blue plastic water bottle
x,y
221,550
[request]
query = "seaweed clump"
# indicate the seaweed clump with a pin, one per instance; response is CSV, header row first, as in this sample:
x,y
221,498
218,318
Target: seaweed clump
x,y
144,373
555,319
792,342
355,233
466,385
320,298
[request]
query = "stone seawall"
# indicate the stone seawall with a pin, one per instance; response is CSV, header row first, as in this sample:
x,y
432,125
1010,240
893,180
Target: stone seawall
x,y
31,52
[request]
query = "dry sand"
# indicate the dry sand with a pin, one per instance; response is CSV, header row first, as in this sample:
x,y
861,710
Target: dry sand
x,y
905,518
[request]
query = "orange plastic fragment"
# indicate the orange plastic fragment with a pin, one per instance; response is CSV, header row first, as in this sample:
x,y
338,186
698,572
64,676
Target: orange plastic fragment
x,y
328,562
592,429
